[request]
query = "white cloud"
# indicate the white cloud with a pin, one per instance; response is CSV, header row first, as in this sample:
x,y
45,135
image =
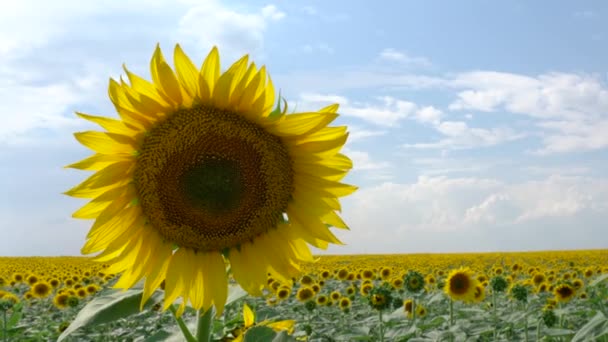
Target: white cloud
x,y
363,162
358,133
389,113
570,108
272,12
468,214
428,114
322,47
237,32
391,54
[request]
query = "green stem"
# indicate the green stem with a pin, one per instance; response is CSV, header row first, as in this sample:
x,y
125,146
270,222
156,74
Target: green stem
x,y
182,325
494,310
526,322
381,326
538,329
204,325
451,312
4,327
413,310
451,318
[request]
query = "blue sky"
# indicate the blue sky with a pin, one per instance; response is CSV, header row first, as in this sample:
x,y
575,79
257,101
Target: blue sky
x,y
475,125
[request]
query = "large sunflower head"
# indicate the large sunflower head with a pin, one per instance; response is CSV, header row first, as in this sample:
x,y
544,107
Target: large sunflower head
x,y
200,172
460,285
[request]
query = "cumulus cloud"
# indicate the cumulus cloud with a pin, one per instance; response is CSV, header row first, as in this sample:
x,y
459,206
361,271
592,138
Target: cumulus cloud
x,y
390,54
237,32
386,111
467,214
569,108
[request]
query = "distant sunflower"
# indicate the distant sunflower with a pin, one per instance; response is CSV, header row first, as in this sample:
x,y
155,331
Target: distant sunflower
x,y
460,285
61,301
322,300
344,303
41,289
199,172
564,292
283,292
304,294
480,293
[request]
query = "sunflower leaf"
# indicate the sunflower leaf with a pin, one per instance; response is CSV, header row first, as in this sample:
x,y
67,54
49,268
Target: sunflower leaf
x,y
259,334
108,308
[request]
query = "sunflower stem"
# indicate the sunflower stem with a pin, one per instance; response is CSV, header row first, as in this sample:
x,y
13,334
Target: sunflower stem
x,y
4,327
204,325
413,310
538,329
182,325
381,326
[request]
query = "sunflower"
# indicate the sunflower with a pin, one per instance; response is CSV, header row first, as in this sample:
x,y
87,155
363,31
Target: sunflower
x,y
564,292
304,294
321,300
335,295
480,293
407,306
41,289
200,172
460,285
32,279
366,288
283,292
61,301
344,303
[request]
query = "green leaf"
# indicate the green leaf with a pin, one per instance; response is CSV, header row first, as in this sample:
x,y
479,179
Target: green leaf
x,y
558,332
108,308
598,280
595,327
283,336
15,316
259,334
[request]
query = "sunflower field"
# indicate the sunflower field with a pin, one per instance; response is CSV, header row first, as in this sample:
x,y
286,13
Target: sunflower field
x,y
535,296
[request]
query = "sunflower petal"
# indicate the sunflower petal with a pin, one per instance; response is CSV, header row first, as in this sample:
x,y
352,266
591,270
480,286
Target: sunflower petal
x,y
302,123
209,74
186,72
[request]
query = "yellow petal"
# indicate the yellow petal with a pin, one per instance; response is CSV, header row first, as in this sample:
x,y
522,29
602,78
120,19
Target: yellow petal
x,y
99,161
243,271
128,221
248,316
209,74
322,148
250,93
111,125
174,282
324,187
186,72
164,78
197,291
217,279
314,225
330,109
228,81
106,143
302,123
143,87
158,269
98,204
112,176
287,325
239,88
